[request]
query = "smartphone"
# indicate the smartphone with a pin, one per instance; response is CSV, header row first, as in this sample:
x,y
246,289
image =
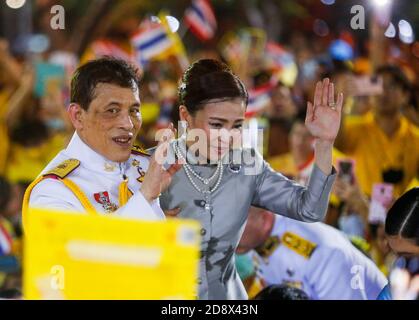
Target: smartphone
x,y
346,170
381,199
363,86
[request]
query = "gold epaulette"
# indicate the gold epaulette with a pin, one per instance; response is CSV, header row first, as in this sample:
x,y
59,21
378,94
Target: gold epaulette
x,y
64,168
268,247
298,244
139,151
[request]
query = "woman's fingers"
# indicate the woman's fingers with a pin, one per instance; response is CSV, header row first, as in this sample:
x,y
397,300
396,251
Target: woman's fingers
x,y
174,168
331,98
318,94
310,112
325,92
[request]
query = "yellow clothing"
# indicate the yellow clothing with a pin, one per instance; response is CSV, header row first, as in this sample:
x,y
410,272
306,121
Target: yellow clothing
x,y
374,152
26,163
4,137
285,163
413,184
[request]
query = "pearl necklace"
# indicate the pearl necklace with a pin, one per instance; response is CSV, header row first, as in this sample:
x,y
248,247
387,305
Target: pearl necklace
x,y
189,172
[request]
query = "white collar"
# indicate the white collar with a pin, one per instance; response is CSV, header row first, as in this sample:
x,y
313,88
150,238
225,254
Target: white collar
x,y
92,160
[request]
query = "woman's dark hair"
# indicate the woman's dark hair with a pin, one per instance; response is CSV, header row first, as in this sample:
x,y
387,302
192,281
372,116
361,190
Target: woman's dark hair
x,y
403,217
207,80
103,70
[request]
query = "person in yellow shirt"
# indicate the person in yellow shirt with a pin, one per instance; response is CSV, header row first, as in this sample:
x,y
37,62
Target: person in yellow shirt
x,y
383,142
9,81
4,138
37,129
297,164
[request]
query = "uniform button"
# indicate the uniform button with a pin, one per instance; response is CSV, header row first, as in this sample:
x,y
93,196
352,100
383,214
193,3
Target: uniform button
x,y
203,232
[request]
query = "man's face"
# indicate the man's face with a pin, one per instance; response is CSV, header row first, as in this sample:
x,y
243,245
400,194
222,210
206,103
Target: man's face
x,y
393,98
112,121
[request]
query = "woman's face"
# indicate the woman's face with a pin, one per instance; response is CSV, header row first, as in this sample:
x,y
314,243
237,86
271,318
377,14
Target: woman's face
x,y
403,247
219,127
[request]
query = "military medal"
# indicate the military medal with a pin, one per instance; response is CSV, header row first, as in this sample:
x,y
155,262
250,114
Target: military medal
x,y
268,247
104,200
109,167
135,163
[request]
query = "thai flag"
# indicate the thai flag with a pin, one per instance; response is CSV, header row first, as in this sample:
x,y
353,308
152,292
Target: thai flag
x,y
278,55
5,241
201,19
108,48
259,99
151,42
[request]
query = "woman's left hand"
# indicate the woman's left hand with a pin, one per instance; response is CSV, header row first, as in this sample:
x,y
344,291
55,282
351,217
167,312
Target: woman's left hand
x,y
324,114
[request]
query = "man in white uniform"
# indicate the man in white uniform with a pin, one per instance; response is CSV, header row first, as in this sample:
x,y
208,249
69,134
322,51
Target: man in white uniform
x,y
100,171
314,257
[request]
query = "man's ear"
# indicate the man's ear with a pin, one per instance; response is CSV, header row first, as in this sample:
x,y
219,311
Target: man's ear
x,y
76,115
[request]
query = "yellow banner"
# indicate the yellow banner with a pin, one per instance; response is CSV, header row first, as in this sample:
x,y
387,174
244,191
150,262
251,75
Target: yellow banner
x,y
78,256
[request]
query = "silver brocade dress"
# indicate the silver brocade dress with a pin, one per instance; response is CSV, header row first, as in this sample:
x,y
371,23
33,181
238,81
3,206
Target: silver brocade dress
x,y
242,186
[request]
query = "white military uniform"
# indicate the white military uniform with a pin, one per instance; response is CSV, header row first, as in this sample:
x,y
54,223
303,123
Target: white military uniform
x,y
318,259
79,179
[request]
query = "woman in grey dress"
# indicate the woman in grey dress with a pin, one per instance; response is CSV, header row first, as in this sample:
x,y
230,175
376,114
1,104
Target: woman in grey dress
x,y
218,193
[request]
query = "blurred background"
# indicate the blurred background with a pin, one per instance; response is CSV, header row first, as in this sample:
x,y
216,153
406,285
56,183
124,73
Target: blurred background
x,y
279,48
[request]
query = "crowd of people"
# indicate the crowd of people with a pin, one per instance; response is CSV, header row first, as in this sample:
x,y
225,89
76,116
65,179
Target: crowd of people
x,y
376,156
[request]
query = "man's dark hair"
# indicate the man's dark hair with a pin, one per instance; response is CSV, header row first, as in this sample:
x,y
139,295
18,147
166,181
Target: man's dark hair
x,y
397,75
103,70
281,292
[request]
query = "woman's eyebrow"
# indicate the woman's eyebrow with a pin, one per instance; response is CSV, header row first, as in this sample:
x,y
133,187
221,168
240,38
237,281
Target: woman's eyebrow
x,y
219,119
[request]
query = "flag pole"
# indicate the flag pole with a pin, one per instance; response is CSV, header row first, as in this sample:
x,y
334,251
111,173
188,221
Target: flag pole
x,y
183,29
